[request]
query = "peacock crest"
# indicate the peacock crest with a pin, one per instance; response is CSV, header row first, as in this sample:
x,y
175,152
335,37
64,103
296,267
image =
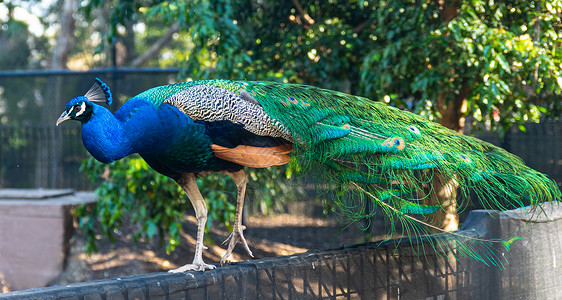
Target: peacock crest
x,y
99,92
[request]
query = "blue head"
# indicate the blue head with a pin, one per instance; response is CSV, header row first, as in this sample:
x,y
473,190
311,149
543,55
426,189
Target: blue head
x,y
81,108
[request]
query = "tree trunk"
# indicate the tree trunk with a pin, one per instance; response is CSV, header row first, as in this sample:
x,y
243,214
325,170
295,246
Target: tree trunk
x,y
157,46
49,156
444,190
126,50
452,112
65,35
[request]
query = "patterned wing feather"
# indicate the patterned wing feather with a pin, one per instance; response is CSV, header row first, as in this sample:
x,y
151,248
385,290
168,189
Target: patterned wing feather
x,y
242,131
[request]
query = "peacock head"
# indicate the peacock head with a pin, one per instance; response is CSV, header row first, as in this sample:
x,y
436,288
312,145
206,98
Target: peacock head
x,y
81,107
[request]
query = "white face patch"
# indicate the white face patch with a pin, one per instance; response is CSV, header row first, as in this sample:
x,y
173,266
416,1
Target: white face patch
x,y
82,109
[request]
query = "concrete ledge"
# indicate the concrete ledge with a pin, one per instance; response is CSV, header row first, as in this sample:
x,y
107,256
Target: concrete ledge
x,y
535,262
34,235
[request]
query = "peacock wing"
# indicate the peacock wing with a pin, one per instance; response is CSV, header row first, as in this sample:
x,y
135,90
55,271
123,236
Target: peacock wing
x,y
241,130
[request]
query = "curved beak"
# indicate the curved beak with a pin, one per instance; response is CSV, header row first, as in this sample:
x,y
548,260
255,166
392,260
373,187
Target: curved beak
x,y
63,117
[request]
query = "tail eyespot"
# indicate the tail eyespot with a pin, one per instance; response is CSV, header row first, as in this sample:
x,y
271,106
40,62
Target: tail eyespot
x,y
465,158
396,142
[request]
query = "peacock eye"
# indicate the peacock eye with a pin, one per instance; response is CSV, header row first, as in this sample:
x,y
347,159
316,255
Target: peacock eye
x,y
77,108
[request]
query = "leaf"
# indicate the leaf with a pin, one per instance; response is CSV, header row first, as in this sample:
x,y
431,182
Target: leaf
x,y
487,50
503,86
495,92
151,229
503,62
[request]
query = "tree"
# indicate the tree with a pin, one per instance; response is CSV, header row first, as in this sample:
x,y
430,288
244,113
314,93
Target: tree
x,y
14,50
484,59
494,61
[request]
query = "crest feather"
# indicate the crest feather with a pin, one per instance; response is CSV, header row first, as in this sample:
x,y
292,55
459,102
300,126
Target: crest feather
x,y
99,92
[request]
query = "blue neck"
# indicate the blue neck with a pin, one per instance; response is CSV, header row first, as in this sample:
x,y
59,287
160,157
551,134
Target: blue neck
x,y
104,137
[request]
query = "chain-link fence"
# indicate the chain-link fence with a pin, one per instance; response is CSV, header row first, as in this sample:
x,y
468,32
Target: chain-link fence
x,y
540,146
33,152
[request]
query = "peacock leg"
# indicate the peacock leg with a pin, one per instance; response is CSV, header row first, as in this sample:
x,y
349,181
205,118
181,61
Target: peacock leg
x,y
189,185
240,178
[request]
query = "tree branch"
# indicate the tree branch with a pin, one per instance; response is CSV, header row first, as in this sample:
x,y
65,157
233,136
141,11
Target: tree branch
x,y
65,35
361,26
157,46
304,15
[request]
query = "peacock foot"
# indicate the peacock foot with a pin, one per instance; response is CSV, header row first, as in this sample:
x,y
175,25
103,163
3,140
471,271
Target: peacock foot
x,y
193,267
234,238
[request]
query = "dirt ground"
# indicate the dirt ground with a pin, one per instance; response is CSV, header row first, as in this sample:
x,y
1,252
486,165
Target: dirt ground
x,y
267,236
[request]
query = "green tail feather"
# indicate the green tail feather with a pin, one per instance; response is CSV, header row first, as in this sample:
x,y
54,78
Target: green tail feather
x,y
373,153
507,244
368,152
444,243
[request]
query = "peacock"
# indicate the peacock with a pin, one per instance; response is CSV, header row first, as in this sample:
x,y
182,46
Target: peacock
x,y
374,157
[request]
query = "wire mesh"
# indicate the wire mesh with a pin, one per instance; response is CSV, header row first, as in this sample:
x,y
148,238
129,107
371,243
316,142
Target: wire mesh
x,y
367,271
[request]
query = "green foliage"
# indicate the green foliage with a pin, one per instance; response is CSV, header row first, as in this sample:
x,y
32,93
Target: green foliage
x,y
270,189
14,50
503,55
210,28
129,189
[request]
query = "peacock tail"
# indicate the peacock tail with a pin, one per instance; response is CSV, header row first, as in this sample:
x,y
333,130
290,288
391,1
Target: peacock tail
x,y
374,157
